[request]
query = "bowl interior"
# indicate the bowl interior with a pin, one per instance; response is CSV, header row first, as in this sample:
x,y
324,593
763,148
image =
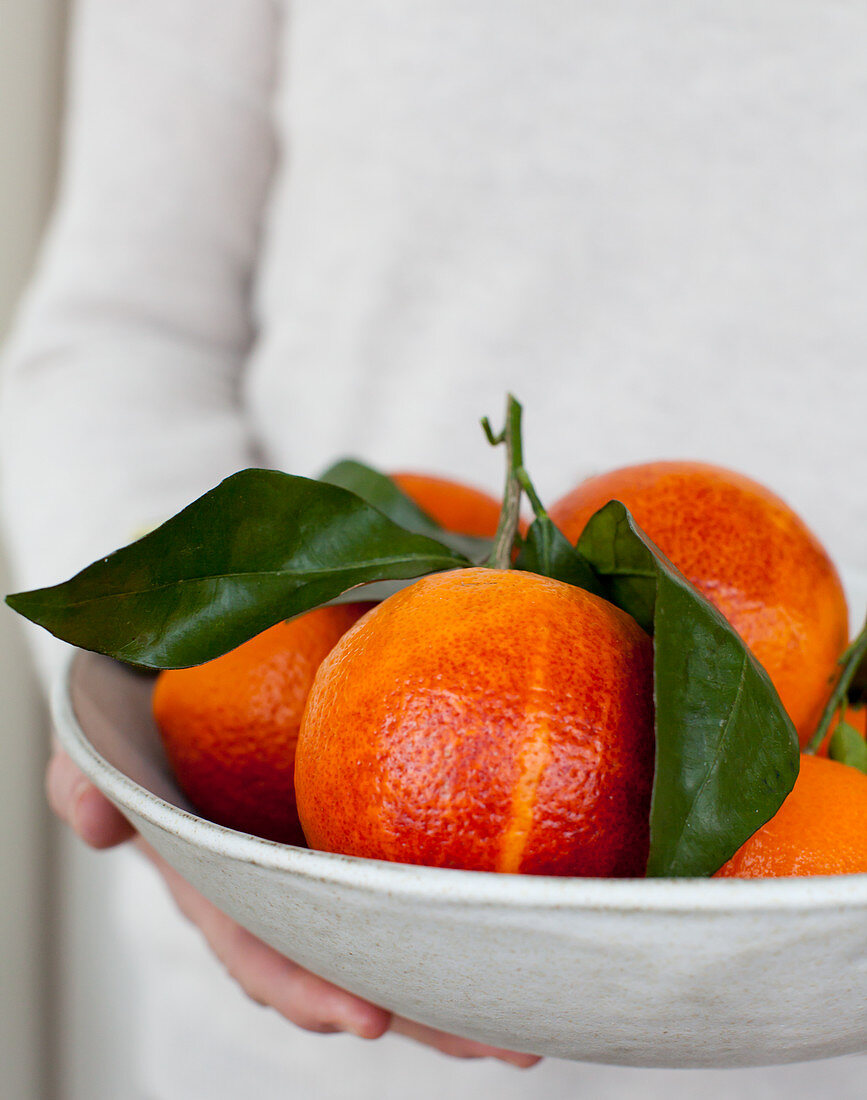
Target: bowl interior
x,y
103,714
112,704
500,957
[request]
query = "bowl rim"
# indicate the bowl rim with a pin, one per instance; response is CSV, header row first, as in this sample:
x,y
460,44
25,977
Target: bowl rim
x,y
446,886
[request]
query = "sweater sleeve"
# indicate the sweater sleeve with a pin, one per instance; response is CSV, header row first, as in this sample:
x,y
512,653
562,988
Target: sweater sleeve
x,y
121,397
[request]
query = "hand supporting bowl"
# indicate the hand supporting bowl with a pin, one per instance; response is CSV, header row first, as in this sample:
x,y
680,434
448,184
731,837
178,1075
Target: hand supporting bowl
x,y
632,972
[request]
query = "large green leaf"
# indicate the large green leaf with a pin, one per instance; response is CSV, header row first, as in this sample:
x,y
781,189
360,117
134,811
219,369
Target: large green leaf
x,y
260,547
379,490
726,751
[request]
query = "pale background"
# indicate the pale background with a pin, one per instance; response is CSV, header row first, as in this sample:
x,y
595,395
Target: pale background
x,y
48,971
60,988
29,80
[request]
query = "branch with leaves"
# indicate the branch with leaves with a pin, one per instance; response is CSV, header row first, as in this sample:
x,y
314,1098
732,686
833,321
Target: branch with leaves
x,y
265,546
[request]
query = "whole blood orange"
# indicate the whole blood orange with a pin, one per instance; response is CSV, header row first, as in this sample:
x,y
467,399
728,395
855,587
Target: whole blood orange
x,y
820,829
749,554
484,719
453,505
229,726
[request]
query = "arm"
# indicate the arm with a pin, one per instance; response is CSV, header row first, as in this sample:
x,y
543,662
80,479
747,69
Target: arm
x,y
121,387
121,382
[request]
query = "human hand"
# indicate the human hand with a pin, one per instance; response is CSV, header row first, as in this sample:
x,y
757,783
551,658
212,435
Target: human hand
x,y
75,800
264,974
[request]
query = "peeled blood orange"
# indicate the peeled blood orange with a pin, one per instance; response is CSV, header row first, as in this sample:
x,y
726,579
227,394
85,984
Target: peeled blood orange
x,y
484,719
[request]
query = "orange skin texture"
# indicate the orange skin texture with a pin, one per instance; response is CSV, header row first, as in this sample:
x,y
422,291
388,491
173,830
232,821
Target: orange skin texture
x,y
455,506
483,719
230,726
820,829
750,555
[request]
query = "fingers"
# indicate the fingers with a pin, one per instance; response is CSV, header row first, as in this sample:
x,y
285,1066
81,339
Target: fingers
x,y
456,1047
265,975
307,1000
303,998
75,800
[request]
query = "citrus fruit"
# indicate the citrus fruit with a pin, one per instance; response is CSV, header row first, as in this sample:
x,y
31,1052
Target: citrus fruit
x,y
229,726
484,719
820,829
748,553
453,505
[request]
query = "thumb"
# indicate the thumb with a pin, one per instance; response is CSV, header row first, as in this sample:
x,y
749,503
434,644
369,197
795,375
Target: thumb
x,y
75,800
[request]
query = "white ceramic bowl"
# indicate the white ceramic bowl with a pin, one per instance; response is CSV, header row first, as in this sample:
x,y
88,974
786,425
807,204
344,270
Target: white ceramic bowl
x,y
642,973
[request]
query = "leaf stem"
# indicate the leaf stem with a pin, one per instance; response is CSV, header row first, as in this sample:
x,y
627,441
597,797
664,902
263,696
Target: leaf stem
x,y
510,514
851,662
527,485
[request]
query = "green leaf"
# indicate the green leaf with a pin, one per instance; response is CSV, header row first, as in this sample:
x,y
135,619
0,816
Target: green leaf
x,y
547,551
260,547
858,687
383,494
726,751
630,570
847,746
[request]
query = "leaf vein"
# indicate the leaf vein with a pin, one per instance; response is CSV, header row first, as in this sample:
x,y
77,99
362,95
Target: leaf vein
x,y
307,576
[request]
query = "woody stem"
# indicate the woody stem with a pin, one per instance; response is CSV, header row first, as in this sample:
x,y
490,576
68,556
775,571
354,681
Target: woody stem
x,y
507,528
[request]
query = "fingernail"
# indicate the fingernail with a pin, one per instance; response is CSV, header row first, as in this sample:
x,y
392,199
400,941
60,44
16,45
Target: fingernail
x,y
522,1061
75,804
364,1027
359,1028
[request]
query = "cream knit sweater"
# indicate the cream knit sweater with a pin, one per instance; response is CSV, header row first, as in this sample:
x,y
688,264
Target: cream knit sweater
x,y
291,232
